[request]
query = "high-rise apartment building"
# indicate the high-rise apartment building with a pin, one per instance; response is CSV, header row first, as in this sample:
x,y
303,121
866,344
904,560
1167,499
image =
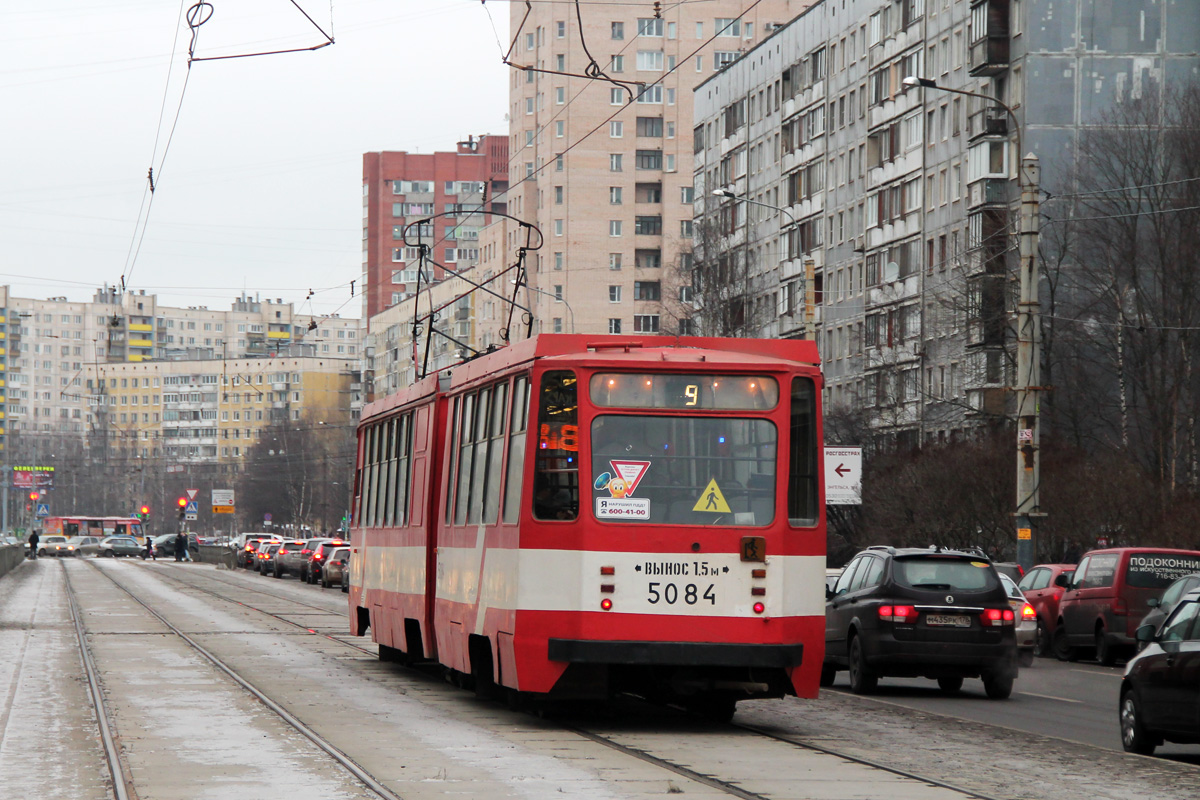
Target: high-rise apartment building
x,y
602,165
49,348
904,201
401,188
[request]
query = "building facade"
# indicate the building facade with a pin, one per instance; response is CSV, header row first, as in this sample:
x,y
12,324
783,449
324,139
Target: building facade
x,y
903,200
52,346
402,189
601,165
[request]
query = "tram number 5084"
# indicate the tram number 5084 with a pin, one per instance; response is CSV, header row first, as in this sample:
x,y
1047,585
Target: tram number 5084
x,y
671,594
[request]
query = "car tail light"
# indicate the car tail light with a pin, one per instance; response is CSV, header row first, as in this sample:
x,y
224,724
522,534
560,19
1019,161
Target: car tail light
x,y
905,614
997,617
1027,612
306,552
317,556
1119,607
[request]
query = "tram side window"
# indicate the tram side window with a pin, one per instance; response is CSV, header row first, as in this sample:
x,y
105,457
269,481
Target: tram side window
x,y
450,473
556,468
466,434
403,452
802,472
516,450
495,456
483,408
388,471
372,492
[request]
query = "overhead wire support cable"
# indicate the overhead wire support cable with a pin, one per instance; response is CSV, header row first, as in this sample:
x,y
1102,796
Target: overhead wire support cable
x,y
192,51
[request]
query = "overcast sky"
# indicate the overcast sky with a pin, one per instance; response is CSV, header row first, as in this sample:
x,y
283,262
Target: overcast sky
x,y
260,188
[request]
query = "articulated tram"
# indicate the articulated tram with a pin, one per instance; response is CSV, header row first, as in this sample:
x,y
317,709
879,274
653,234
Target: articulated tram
x,y
573,516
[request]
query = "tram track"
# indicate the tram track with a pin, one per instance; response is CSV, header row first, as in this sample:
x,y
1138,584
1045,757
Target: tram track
x,y
605,740
122,787
593,734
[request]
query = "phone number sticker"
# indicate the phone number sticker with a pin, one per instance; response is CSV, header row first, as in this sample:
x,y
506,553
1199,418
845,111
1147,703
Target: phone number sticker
x,y
623,507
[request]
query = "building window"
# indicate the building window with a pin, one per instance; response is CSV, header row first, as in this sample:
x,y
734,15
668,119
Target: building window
x,y
649,159
614,294
728,27
558,227
616,96
614,195
614,162
645,323
560,95
650,95
618,30
685,228
558,261
616,129
614,227
614,325
647,290
558,195
560,129
650,127
560,30
650,27
618,63
614,260
648,225
650,60
723,58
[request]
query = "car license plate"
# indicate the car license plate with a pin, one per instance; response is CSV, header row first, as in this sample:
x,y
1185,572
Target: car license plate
x,y
948,620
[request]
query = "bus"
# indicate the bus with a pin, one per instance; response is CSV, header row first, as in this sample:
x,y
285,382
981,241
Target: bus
x,y
92,526
575,516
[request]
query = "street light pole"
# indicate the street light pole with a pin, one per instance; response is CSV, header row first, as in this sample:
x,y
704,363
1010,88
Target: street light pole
x,y
1028,386
729,194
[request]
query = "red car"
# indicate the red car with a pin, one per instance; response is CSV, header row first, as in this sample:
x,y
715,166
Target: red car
x,y
1041,593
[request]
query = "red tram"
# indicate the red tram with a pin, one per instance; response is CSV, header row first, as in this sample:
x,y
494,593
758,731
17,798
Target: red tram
x,y
574,516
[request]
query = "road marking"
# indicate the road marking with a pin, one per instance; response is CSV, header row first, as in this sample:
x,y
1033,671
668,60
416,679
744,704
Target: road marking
x,y
1050,697
1098,672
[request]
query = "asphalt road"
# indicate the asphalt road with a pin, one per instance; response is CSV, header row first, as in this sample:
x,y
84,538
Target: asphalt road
x,y
1077,702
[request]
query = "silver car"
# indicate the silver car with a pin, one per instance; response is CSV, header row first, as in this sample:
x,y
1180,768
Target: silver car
x,y
1026,621
54,546
84,545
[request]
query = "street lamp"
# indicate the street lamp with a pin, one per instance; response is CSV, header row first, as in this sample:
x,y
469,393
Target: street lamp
x,y
729,194
1029,338
553,297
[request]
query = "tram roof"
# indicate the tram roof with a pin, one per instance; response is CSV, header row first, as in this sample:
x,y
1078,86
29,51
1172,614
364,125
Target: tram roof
x,y
598,350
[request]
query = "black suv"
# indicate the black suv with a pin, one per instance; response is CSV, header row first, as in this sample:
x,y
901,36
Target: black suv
x,y
908,612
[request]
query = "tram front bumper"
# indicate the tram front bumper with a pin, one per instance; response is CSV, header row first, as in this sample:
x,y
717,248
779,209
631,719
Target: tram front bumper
x,y
696,654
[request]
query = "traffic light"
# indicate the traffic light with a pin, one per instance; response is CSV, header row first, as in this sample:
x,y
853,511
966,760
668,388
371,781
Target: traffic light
x,y
182,506
144,513
33,496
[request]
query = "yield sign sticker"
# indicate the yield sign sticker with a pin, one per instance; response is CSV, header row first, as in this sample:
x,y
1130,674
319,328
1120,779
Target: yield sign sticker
x,y
712,500
191,493
631,472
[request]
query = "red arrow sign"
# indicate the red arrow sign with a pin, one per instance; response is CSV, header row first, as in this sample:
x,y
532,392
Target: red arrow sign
x,y
842,470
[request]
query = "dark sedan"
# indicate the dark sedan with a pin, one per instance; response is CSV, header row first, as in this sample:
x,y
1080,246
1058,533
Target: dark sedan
x,y
1160,696
1161,607
112,546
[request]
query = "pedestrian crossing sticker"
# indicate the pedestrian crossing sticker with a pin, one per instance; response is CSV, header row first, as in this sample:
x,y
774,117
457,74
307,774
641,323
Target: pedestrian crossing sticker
x,y
712,501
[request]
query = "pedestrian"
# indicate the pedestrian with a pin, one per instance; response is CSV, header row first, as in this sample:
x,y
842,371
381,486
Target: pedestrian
x,y
187,547
180,546
148,552
34,538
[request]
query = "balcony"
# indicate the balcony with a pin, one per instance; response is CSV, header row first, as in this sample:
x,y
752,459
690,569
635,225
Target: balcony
x,y
988,33
989,121
988,192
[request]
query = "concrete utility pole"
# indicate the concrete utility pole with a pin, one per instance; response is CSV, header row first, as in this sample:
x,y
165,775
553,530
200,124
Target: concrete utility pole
x,y
1029,338
1029,367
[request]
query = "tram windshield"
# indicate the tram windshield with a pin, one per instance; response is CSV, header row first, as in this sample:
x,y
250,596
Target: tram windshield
x,y
683,470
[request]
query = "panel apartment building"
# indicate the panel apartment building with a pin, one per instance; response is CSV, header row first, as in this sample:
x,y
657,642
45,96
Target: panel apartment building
x,y
903,203
602,165
402,189
49,349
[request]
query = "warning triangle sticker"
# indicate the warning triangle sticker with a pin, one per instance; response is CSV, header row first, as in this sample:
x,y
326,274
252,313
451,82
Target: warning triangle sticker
x,y
631,472
712,500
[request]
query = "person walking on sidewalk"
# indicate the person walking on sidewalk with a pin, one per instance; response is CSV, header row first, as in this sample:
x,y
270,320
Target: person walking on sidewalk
x,y
148,552
34,538
180,546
